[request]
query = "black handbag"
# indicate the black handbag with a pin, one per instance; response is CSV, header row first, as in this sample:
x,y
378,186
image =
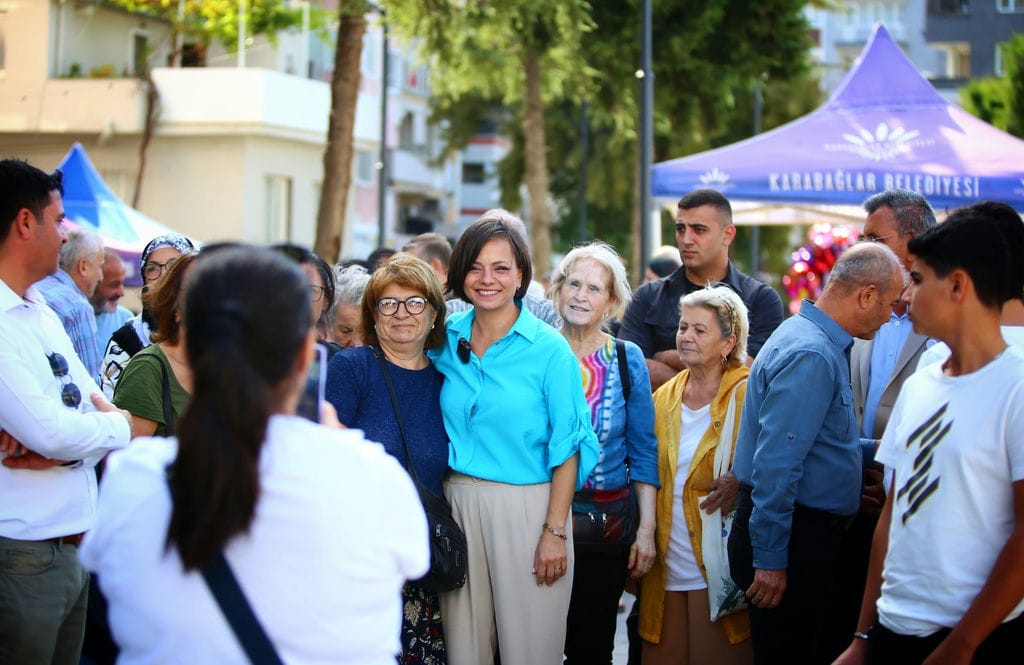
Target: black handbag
x,y
449,557
602,518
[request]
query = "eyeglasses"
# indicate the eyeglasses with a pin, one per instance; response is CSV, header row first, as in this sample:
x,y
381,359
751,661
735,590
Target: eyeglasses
x,y
318,292
153,270
873,238
414,305
69,392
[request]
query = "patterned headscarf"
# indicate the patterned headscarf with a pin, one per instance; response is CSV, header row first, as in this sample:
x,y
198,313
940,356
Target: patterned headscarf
x,y
175,240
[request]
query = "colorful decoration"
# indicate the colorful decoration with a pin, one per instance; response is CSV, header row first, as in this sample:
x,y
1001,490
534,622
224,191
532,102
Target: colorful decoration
x,y
811,264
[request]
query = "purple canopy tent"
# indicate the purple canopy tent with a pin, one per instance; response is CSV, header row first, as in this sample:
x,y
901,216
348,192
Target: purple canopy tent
x,y
90,203
884,127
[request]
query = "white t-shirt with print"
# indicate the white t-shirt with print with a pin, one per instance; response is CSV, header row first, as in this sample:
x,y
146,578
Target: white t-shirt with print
x,y
955,445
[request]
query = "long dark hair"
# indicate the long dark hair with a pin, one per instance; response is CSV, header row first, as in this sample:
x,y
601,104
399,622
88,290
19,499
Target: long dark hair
x,y
247,311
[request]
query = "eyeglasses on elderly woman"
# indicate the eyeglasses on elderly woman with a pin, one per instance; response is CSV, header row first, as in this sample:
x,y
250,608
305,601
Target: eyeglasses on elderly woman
x,y
413,304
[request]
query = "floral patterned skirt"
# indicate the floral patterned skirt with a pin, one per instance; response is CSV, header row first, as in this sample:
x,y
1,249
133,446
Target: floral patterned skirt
x,y
422,632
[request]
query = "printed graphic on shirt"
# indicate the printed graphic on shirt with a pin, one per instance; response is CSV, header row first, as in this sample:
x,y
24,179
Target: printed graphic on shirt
x,y
920,485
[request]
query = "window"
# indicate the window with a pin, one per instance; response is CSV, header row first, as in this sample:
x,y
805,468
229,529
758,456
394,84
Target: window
x,y
406,132
473,173
364,167
1010,6
277,214
140,52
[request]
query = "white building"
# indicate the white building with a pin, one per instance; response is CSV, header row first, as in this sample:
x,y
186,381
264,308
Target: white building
x,y
236,153
839,35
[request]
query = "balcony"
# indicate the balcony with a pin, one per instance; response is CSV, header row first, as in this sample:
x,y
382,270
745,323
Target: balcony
x,y
81,106
242,101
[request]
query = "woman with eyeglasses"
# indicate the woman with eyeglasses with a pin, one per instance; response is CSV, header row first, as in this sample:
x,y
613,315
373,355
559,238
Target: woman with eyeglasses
x,y
402,314
521,444
319,527
158,256
156,384
321,286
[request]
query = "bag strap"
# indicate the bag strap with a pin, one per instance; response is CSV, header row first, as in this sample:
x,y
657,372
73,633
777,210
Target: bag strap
x,y
398,413
624,378
723,453
168,409
233,605
236,609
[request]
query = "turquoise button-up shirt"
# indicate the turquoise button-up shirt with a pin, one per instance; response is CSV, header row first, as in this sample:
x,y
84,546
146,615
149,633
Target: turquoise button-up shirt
x,y
518,412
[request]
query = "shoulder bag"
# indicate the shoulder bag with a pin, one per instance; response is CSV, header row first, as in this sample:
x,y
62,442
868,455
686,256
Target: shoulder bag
x,y
724,596
449,555
606,518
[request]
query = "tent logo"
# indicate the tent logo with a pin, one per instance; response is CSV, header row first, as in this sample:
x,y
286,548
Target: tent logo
x,y
883,145
715,178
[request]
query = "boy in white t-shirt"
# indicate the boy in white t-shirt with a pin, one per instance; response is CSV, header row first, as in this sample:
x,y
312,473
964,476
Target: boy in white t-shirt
x,y
946,579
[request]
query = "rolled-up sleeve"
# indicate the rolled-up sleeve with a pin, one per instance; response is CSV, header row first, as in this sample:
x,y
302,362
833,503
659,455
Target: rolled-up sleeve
x,y
569,415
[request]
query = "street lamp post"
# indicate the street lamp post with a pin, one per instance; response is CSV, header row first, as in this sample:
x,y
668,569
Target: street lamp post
x,y
646,76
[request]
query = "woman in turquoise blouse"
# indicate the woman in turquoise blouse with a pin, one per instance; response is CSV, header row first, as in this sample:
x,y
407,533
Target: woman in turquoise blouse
x,y
521,444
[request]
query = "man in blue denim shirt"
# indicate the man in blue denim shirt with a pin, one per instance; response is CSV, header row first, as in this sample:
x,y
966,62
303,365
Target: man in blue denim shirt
x,y
799,456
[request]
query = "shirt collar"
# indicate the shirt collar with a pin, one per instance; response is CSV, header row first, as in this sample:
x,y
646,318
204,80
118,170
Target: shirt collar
x,y
679,277
526,324
10,300
835,332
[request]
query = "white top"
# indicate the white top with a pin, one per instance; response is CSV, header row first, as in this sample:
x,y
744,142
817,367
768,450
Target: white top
x,y
338,530
956,445
683,572
59,501
938,352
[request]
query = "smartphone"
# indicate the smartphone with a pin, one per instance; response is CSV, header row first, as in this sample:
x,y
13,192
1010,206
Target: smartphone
x,y
313,391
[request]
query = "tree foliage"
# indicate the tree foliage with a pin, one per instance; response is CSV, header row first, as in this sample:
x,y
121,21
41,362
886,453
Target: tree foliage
x,y
525,54
209,20
999,101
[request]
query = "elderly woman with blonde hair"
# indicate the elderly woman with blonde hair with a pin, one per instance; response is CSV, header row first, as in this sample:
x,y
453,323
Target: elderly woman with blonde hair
x,y
697,412
611,540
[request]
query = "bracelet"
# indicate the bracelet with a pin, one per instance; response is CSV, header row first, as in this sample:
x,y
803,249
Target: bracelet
x,y
553,532
861,635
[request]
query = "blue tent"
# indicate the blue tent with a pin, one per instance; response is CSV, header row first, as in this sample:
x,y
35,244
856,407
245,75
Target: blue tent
x,y
884,127
90,203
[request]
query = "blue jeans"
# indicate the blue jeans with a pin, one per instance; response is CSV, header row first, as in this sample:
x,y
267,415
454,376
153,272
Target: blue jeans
x,y
43,597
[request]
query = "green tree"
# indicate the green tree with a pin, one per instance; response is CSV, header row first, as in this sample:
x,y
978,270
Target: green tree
x,y
706,59
204,21
524,54
999,101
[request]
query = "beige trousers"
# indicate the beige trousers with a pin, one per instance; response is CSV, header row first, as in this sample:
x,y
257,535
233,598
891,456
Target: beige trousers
x,y
501,603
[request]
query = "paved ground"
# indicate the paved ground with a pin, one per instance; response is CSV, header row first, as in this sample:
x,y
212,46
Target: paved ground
x,y
621,652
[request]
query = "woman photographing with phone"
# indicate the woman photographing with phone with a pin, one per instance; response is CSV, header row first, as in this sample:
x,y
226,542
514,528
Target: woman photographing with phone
x,y
303,515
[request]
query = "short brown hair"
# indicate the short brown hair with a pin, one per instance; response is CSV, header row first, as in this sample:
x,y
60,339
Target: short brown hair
x,y
163,300
412,273
472,241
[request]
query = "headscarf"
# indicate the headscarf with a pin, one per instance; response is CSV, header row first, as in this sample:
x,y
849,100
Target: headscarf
x,y
175,240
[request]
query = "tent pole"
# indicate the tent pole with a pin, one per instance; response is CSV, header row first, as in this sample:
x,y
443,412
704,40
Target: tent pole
x,y
755,230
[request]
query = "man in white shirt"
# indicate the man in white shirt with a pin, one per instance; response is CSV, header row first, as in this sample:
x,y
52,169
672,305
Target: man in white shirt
x,y
944,582
54,427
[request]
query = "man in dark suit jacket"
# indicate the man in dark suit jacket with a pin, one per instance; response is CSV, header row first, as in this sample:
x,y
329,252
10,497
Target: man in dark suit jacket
x,y
878,368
